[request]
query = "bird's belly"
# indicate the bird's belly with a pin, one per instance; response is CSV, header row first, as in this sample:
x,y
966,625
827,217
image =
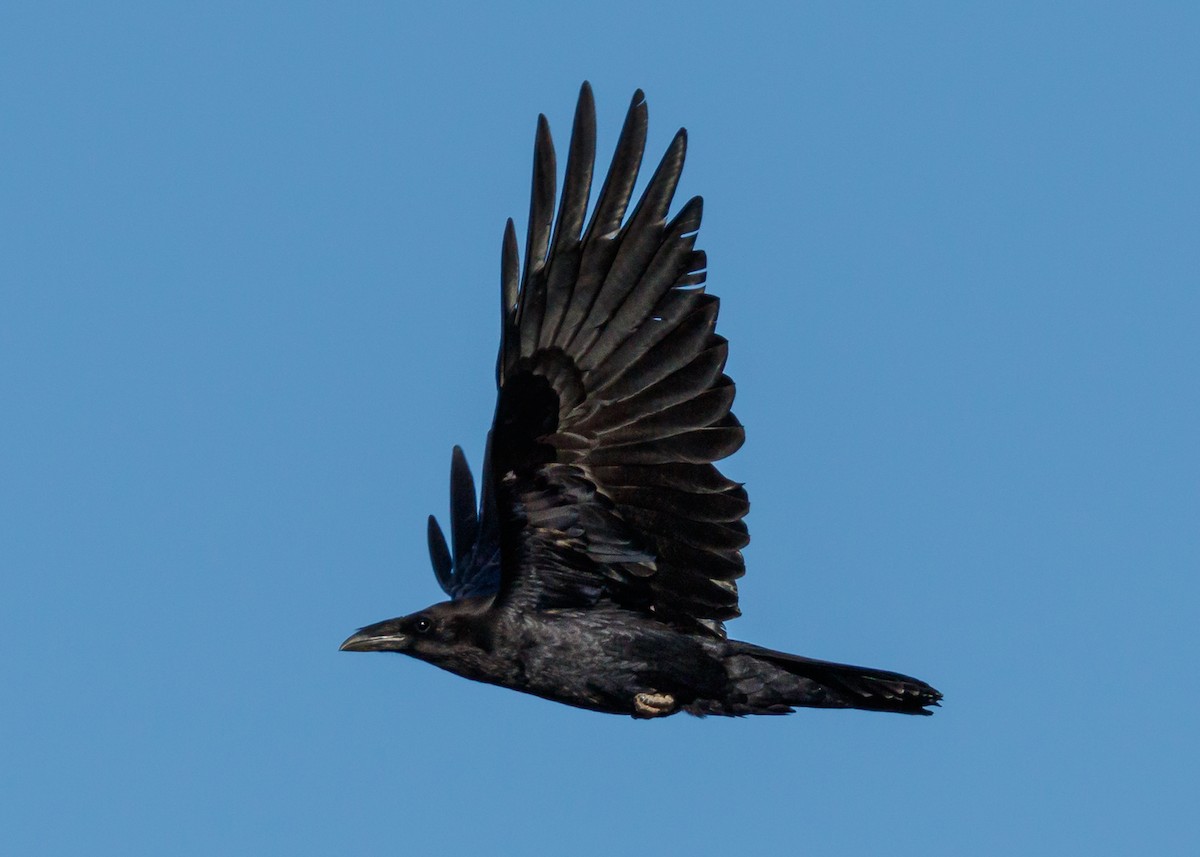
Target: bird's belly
x,y
569,659
577,678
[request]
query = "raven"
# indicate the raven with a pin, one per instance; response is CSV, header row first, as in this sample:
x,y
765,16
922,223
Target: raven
x,y
599,564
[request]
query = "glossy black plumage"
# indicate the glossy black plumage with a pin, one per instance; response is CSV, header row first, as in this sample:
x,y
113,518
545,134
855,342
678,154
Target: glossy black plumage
x,y
598,566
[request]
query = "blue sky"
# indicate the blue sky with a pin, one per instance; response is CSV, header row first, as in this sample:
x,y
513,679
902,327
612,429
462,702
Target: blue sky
x,y
248,266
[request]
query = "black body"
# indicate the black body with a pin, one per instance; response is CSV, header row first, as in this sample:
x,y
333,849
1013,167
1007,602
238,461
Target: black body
x,y
600,565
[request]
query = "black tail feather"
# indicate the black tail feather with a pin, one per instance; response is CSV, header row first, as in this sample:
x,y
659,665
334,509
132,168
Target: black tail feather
x,y
764,678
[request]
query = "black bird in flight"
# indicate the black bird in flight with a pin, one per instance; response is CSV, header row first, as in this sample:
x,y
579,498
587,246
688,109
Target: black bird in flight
x,y
599,567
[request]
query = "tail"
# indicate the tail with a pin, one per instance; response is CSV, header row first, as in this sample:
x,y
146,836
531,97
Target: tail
x,y
770,682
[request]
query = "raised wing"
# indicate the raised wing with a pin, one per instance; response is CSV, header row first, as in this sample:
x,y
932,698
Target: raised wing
x,y
613,402
612,406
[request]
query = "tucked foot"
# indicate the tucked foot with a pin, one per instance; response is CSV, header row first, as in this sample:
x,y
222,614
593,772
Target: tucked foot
x,y
646,705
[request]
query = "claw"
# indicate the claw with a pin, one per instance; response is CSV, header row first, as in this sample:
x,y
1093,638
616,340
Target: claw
x,y
653,704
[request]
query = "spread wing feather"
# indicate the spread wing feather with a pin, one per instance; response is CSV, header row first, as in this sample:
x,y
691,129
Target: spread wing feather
x,y
613,404
473,568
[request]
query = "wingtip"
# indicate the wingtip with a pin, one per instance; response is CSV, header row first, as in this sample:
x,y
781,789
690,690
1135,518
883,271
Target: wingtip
x,y
585,110
639,108
459,468
510,270
439,554
544,146
678,148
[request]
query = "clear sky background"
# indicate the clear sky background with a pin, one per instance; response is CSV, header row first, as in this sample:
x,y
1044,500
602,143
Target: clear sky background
x,y
249,270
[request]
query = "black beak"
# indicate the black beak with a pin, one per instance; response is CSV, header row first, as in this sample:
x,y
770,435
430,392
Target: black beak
x,y
380,637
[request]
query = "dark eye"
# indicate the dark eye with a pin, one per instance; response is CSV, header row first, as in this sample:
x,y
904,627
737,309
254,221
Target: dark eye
x,y
422,624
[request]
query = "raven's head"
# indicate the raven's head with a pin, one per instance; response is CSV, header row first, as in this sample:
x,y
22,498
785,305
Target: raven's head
x,y
452,635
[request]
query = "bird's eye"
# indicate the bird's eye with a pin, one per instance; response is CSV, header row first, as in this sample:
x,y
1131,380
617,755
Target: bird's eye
x,y
422,624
